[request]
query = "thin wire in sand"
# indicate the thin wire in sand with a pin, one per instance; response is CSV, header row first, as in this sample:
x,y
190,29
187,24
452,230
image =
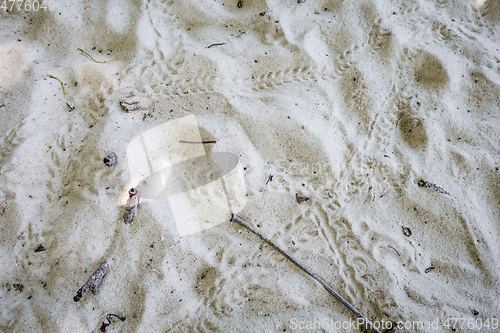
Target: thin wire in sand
x,y
240,221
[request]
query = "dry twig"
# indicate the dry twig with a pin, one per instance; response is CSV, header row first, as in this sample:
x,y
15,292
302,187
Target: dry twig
x,y
240,221
58,79
99,62
93,283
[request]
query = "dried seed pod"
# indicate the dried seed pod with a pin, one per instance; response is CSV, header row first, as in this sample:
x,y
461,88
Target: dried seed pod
x,y
111,159
131,207
94,282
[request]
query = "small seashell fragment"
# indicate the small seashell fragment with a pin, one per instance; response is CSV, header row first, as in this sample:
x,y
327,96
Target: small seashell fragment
x,y
111,159
131,206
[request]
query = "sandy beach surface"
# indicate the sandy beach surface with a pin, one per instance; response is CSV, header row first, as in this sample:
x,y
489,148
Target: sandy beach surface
x,y
385,114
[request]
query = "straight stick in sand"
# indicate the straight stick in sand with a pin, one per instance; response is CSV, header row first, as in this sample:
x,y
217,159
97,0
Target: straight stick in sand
x,y
240,221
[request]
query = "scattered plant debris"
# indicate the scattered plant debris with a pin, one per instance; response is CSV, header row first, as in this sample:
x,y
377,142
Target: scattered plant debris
x,y
58,79
131,207
424,183
216,44
71,106
94,282
210,141
18,287
130,107
100,62
240,221
107,321
269,179
111,159
429,269
394,249
300,198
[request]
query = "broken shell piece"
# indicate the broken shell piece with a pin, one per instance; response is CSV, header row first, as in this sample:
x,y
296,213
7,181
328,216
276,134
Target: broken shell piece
x,y
300,198
94,282
131,207
111,159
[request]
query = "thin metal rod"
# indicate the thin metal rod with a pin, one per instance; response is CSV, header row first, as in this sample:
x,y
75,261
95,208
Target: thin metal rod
x,y
241,222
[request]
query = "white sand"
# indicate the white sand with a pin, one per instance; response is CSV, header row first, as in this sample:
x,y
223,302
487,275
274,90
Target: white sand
x,y
350,103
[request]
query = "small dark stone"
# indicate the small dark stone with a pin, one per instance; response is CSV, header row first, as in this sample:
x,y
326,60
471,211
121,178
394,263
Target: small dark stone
x,y
111,159
40,248
18,287
429,269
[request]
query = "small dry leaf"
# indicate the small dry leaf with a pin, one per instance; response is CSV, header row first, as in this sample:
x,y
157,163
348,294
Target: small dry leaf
x,y
300,198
